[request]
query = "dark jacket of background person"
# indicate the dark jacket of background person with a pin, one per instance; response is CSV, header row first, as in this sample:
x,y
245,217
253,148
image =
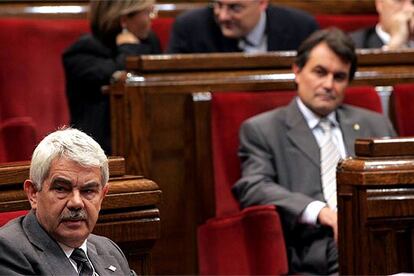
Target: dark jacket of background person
x,y
89,65
366,38
197,32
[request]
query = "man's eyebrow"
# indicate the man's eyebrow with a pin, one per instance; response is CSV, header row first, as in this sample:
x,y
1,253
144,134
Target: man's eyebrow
x,y
91,184
61,180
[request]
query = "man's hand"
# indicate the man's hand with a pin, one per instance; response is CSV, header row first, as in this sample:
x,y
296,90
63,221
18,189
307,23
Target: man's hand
x,y
329,218
126,37
400,25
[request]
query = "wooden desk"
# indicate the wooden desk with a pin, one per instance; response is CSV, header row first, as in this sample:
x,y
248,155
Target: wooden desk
x,y
376,208
129,214
161,124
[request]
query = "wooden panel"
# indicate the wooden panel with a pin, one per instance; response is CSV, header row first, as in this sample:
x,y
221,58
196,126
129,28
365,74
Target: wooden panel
x,y
380,238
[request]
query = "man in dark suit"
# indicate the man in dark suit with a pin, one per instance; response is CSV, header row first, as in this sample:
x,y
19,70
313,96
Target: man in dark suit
x,y
395,29
240,25
281,151
68,181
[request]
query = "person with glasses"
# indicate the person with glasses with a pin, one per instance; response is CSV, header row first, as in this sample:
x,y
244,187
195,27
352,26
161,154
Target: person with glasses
x,y
240,25
119,28
395,29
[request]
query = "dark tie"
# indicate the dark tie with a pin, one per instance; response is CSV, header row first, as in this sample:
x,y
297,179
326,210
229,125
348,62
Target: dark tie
x,y
82,262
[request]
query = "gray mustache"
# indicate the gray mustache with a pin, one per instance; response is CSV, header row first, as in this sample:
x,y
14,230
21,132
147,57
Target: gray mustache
x,y
74,215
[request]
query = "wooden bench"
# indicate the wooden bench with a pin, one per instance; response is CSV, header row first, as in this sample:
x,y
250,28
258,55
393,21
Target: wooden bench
x,y
161,124
129,214
376,208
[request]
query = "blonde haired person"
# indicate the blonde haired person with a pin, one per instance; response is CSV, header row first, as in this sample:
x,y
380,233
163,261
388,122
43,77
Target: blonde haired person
x,y
119,28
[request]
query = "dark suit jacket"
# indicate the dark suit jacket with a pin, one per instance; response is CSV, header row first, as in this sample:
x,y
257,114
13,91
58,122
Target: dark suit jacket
x,y
26,249
196,31
366,38
89,65
281,166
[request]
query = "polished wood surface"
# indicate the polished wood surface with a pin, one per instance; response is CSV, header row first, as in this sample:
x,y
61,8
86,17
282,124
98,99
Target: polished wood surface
x,y
160,123
376,208
129,214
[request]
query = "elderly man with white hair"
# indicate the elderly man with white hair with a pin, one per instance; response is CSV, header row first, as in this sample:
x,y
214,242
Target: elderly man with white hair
x,y
68,181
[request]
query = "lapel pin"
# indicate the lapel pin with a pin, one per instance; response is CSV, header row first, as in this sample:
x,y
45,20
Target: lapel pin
x,y
356,127
112,268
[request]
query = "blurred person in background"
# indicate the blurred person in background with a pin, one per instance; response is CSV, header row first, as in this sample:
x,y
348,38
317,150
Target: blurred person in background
x,y
240,25
395,29
119,28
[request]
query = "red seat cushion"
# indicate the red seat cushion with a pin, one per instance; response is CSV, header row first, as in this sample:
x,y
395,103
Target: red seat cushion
x,y
250,242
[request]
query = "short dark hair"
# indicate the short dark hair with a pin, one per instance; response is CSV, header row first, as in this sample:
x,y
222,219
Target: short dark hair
x,y
339,42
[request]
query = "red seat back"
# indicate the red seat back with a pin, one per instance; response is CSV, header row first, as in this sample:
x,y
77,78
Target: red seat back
x,y
230,109
162,28
18,137
31,73
402,101
346,23
7,216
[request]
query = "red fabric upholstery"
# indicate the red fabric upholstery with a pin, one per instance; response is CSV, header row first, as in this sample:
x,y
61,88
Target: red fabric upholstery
x,y
162,27
402,99
5,217
31,72
346,22
364,96
228,111
17,139
248,243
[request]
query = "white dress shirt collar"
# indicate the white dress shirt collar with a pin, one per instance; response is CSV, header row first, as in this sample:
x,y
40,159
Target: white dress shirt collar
x,y
256,40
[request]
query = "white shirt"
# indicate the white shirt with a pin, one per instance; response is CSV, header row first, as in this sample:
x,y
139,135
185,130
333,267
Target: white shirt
x,y
68,251
311,212
257,38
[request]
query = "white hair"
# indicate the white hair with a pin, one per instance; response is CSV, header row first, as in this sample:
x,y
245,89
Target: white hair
x,y
72,144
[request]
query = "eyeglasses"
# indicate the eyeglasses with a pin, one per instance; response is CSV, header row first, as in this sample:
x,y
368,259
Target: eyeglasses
x,y
150,12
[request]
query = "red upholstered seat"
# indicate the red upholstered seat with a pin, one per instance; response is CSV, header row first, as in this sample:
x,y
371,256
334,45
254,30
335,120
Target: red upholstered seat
x,y
7,216
31,73
17,139
249,241
402,100
162,27
346,23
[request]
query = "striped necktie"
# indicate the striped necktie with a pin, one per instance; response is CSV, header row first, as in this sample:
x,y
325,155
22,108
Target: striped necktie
x,y
82,262
329,159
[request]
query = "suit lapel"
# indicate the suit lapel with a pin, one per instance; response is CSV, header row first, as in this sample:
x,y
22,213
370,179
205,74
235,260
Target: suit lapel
x,y
53,257
103,264
350,127
300,134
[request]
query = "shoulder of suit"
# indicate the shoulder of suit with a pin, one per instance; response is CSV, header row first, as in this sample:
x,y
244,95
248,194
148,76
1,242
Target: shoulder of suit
x,y
351,110
283,12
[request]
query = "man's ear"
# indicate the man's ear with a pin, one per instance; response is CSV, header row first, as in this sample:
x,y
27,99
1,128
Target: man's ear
x,y
263,4
296,70
31,192
105,189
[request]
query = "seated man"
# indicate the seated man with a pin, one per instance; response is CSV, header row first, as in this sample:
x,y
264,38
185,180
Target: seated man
x,y
289,154
68,181
240,25
395,29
